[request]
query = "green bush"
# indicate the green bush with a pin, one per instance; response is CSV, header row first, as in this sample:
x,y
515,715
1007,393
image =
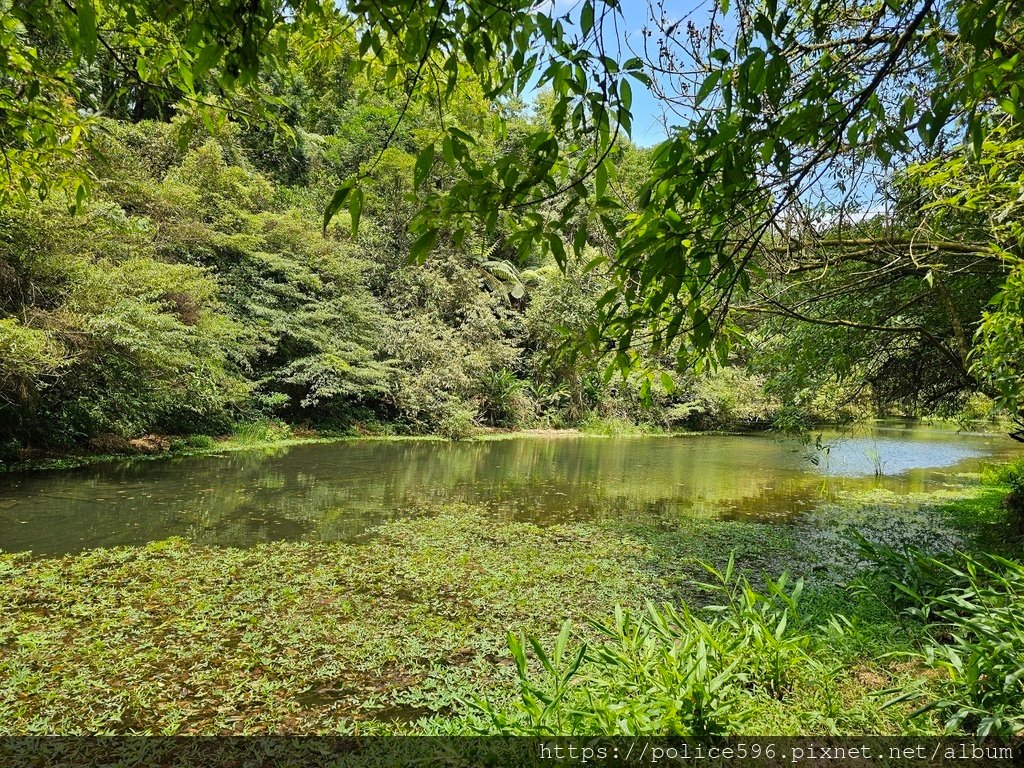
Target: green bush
x,y
730,397
457,422
504,401
979,646
978,408
911,576
975,613
265,431
1011,474
10,451
667,670
192,443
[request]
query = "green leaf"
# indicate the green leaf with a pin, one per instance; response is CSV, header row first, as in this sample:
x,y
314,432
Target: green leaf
x,y
423,245
708,85
355,209
449,152
337,201
563,640
207,118
424,162
557,248
87,27
207,57
538,650
460,134
575,664
515,646
186,77
625,94
579,241
587,18
701,329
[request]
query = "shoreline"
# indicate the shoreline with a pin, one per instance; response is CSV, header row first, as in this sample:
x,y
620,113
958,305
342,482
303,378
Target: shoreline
x,y
603,429
228,443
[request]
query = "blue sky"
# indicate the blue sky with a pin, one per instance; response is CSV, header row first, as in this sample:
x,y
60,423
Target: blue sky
x,y
648,123
648,127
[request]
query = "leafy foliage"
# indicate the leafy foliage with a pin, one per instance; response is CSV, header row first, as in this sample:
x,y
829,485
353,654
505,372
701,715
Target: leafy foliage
x,y
300,156
65,63
666,670
104,337
979,199
974,606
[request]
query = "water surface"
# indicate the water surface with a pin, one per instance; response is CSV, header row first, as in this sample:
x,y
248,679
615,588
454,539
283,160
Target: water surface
x,y
339,491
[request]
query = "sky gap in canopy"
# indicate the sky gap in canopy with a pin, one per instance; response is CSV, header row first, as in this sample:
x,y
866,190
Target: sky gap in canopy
x,y
624,37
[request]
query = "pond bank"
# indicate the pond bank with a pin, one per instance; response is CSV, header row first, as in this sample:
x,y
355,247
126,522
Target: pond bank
x,y
151,447
401,636
271,435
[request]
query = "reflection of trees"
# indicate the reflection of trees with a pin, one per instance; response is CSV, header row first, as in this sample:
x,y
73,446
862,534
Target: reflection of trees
x,y
338,491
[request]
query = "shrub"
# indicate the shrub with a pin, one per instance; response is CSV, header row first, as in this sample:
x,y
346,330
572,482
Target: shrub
x,y
978,407
975,611
264,431
457,422
504,401
667,670
192,443
731,397
979,645
913,578
1011,474
10,451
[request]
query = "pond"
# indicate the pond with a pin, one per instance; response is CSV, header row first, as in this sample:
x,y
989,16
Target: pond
x,y
339,491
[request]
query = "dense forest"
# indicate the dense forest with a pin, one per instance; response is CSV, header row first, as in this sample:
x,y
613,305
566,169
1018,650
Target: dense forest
x,y
197,289
194,286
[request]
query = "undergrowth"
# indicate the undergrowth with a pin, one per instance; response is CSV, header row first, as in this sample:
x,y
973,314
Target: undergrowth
x,y
939,640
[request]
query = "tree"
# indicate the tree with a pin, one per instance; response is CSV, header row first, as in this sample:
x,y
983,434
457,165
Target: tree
x,y
784,109
793,119
64,64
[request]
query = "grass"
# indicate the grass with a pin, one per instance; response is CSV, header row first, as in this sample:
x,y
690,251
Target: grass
x,y
406,632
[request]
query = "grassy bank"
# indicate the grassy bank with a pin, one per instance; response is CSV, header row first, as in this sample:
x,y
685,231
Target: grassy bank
x,y
249,437
407,634
276,434
265,435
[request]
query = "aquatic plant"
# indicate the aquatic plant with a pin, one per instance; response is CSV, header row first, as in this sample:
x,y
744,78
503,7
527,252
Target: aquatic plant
x,y
875,457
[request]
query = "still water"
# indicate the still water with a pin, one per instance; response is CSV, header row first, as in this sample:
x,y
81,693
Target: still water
x,y
339,491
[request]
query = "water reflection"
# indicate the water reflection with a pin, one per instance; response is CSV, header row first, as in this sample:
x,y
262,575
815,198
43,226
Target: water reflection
x,y
339,491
